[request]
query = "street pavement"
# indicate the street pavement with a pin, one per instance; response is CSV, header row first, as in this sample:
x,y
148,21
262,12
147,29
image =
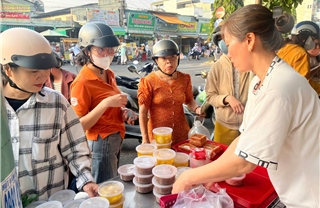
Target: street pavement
x,y
128,152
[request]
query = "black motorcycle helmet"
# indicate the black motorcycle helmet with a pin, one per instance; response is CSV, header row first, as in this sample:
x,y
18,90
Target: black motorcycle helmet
x,y
59,60
217,35
97,34
165,48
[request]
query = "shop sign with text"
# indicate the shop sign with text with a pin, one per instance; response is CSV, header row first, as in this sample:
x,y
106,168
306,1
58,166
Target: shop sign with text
x,y
111,18
163,26
141,21
14,11
191,28
205,28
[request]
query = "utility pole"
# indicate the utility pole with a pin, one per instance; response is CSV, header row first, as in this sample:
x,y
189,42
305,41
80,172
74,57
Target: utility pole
x,y
259,2
122,11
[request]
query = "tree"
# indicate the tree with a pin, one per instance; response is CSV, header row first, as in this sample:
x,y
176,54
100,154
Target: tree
x,y
229,5
288,6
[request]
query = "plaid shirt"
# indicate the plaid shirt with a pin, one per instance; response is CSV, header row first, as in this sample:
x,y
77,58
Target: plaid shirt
x,y
47,137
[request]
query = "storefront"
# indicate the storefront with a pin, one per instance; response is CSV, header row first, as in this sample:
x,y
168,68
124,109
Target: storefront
x,y
189,36
140,28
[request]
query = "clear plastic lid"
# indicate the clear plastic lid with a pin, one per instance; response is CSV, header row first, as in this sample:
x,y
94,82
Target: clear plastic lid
x,y
162,130
181,170
126,170
73,204
96,202
110,188
135,173
140,185
35,204
145,161
146,148
164,154
51,204
155,183
164,171
63,196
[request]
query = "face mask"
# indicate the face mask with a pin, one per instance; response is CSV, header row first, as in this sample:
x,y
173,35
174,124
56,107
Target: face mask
x,y
103,62
222,45
309,44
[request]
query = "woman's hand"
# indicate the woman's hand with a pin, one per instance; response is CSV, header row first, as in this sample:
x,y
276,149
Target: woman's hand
x,y
118,100
91,189
183,182
235,104
128,115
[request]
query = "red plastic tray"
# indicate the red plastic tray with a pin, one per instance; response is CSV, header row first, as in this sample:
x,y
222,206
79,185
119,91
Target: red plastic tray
x,y
256,191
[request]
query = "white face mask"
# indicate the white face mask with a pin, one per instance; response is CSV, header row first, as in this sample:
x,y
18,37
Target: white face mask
x,y
103,62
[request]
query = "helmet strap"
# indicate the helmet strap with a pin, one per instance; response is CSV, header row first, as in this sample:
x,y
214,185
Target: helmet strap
x,y
11,83
101,69
170,75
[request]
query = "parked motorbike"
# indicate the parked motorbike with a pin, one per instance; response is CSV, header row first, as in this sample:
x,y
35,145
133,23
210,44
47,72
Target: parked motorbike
x,y
194,55
210,118
117,57
129,86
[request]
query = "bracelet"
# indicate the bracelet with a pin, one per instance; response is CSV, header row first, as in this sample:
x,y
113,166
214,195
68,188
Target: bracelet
x,y
196,108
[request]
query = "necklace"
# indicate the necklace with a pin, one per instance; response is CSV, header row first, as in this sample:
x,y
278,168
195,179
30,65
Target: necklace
x,y
258,85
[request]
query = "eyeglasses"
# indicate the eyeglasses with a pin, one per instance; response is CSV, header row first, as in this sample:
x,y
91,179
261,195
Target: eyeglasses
x,y
170,58
106,50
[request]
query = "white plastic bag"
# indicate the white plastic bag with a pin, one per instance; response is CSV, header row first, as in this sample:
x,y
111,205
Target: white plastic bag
x,y
202,197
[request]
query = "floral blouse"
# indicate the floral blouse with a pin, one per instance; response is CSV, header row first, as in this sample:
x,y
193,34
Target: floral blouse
x,y
164,102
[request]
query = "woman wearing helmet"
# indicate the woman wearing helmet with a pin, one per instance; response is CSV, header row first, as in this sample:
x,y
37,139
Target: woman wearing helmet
x,y
98,101
47,136
162,93
295,51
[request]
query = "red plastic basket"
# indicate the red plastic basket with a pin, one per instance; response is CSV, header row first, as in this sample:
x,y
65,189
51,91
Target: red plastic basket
x,y
256,191
168,200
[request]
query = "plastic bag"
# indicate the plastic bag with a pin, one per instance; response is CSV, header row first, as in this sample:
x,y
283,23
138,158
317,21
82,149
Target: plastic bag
x,y
202,197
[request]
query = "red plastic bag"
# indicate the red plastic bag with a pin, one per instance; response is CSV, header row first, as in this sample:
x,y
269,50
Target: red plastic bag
x,y
202,197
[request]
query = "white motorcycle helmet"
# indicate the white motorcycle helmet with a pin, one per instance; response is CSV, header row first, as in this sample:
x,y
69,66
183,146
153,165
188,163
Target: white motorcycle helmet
x,y
306,31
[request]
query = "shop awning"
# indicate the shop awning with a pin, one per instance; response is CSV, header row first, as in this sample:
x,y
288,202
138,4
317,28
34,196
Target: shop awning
x,y
118,30
171,19
63,31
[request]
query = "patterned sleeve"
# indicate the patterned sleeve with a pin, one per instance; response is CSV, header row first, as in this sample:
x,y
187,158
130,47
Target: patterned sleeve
x,y
189,93
74,148
144,93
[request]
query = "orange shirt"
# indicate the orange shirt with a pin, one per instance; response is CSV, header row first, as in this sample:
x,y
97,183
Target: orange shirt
x,y
165,103
87,91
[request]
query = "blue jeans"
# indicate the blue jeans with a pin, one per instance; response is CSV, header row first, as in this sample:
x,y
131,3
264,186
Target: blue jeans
x,y
105,157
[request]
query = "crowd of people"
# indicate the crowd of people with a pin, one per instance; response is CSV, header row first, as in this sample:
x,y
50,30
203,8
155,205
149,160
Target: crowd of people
x,y
67,130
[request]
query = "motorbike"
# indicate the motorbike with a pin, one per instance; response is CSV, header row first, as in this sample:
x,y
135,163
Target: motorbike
x,y
117,57
194,55
210,118
129,86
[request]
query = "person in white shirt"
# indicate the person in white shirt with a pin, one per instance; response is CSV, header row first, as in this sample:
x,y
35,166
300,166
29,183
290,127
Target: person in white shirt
x,y
280,129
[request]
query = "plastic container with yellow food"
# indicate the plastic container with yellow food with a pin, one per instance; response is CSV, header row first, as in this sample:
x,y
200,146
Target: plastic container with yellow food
x,y
111,190
162,146
145,149
162,135
164,156
181,159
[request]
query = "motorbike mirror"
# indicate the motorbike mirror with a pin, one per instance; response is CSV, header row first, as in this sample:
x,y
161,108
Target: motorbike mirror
x,y
133,69
135,62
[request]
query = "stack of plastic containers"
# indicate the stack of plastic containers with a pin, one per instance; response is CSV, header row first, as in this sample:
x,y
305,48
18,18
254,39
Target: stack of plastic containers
x,y
162,137
143,173
164,177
